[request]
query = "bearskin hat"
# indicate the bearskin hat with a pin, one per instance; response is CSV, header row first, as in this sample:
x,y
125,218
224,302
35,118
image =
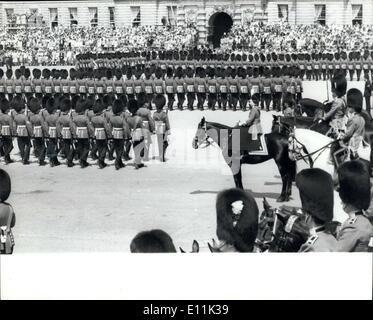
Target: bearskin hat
x,y
18,73
118,107
65,105
51,105
133,106
98,107
46,73
36,73
316,193
34,105
79,105
355,99
5,185
154,241
354,184
339,85
1,73
9,73
4,105
237,219
109,74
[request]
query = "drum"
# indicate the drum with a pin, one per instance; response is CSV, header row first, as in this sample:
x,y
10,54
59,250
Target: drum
x,y
100,134
38,132
82,132
22,131
160,127
52,132
5,131
66,133
118,133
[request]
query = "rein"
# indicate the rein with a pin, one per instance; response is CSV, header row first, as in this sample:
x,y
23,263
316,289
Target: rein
x,y
308,155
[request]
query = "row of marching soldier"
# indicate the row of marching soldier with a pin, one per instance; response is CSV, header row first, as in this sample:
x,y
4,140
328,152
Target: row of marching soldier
x,y
80,128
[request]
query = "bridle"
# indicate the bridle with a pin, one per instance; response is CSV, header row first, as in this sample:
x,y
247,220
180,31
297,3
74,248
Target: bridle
x,y
298,147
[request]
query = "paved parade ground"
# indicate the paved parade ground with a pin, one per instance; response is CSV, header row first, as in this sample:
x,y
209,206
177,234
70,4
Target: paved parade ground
x,y
73,210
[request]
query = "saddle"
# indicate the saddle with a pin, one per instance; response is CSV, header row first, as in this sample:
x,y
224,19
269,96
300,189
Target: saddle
x,y
253,144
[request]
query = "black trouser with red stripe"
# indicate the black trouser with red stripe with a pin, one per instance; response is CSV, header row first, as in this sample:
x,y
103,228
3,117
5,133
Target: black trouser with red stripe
x,y
68,150
191,96
223,100
233,100
244,97
24,145
267,100
82,148
39,146
118,146
170,101
180,100
102,149
211,101
52,150
6,147
201,97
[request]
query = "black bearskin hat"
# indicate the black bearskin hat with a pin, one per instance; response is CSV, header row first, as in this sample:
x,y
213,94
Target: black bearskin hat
x,y
316,193
154,241
355,99
34,105
65,105
5,185
118,107
237,219
354,184
133,106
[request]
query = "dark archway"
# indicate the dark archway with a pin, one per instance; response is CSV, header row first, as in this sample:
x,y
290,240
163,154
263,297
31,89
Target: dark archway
x,y
219,24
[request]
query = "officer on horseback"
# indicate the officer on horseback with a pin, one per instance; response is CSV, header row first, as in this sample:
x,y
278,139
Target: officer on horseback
x,y
254,124
336,113
355,129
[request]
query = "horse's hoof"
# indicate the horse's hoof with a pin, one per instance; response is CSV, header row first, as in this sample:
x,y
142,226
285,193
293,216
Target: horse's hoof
x,y
281,199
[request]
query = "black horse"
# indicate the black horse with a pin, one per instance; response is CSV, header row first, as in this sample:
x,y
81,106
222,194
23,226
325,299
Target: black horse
x,y
224,136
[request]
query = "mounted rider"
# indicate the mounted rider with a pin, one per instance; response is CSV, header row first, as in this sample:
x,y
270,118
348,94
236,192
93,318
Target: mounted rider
x,y
336,114
355,129
254,124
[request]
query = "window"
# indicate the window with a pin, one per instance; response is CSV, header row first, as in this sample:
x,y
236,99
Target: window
x,y
283,12
171,11
136,16
320,14
53,17
73,13
93,17
10,17
357,14
33,18
112,17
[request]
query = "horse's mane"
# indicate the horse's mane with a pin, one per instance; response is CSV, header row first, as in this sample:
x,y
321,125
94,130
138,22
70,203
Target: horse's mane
x,y
218,125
